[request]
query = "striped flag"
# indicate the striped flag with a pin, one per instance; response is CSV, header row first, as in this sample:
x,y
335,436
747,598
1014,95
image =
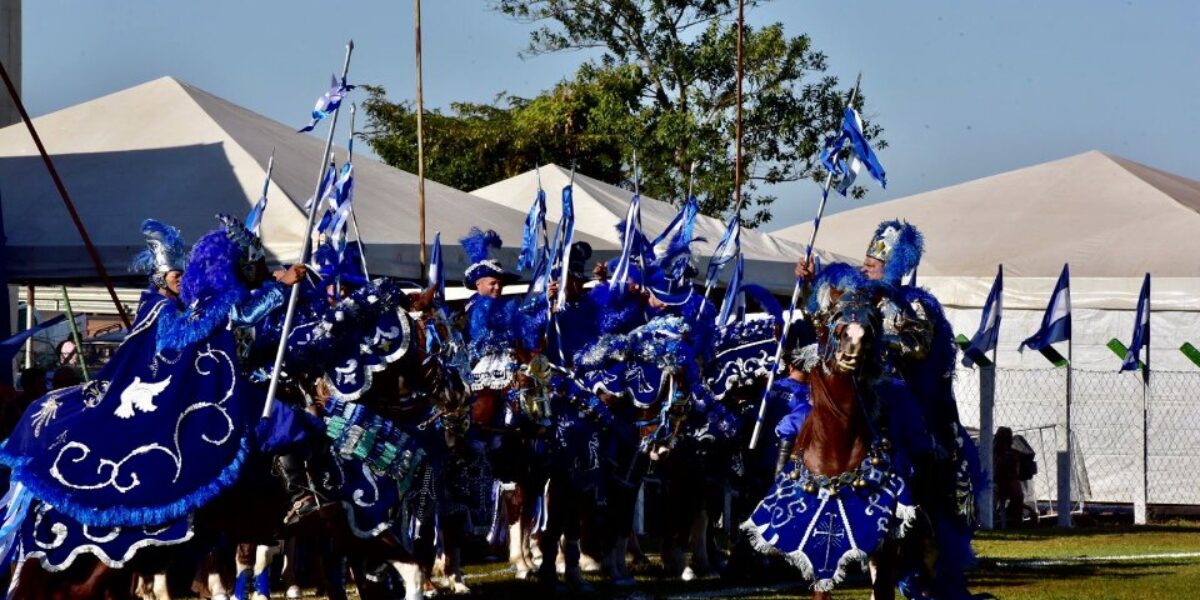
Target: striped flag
x,y
632,243
1141,332
328,102
733,308
1056,323
437,271
989,324
729,247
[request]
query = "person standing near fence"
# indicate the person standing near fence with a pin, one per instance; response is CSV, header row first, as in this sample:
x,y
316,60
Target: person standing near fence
x,y
1006,473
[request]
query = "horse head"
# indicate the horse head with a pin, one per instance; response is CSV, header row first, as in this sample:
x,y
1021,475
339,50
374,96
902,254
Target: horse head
x,y
849,336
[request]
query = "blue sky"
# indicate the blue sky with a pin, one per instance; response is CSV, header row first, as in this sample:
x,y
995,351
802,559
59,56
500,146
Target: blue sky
x,y
964,89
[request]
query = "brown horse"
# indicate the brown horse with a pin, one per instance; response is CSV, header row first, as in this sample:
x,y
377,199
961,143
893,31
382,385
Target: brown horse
x,y
837,435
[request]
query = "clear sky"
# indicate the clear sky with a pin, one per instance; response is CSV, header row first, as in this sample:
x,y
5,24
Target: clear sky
x,y
963,89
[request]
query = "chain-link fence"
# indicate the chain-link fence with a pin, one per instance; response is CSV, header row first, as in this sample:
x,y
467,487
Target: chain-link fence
x,y
1105,416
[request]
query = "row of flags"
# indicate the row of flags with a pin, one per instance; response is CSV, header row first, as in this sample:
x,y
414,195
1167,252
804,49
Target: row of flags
x,y
1056,324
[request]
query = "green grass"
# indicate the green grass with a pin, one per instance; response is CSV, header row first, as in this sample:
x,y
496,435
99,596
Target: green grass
x,y
1007,570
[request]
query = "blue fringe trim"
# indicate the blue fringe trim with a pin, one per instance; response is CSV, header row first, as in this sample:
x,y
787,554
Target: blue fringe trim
x,y
180,329
136,517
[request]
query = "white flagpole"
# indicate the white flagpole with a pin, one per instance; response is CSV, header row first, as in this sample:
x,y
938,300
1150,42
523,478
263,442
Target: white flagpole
x,y
304,248
1064,449
362,245
987,432
1141,492
762,406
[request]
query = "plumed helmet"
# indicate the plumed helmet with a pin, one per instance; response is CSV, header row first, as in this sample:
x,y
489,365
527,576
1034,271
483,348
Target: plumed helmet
x,y
899,245
165,252
478,246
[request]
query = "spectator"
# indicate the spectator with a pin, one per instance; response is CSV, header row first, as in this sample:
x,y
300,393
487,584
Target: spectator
x,y
1006,475
33,386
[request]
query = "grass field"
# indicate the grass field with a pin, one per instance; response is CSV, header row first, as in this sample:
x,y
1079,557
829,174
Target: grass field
x,y
1100,563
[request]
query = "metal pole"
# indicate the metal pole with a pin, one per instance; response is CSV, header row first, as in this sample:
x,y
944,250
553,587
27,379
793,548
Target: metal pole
x,y
1064,451
762,406
75,335
987,433
304,249
66,198
29,325
420,134
362,245
1141,498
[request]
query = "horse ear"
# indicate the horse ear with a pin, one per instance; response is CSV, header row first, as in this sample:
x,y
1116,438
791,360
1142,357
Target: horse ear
x,y
422,301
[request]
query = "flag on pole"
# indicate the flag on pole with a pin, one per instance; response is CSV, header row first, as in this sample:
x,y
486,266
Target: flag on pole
x,y
1141,332
254,219
733,307
861,154
328,102
535,222
631,244
729,247
681,228
567,228
1056,323
437,270
989,324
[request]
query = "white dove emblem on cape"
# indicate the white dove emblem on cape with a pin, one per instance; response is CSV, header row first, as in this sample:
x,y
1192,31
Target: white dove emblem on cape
x,y
140,395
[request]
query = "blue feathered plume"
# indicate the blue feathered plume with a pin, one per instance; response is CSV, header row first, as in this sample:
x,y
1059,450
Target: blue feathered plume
x,y
478,244
164,246
906,251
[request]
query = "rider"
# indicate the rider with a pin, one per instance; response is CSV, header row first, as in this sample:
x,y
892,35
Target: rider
x,y
920,351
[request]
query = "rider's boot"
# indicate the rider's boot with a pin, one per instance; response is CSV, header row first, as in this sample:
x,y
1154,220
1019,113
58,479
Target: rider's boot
x,y
574,575
303,499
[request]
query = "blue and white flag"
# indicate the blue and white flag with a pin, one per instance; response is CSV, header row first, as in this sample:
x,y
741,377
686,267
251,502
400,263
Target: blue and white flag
x,y
328,102
861,154
436,278
680,229
535,223
254,219
733,307
343,193
989,324
327,197
1141,333
567,228
631,245
1056,323
729,247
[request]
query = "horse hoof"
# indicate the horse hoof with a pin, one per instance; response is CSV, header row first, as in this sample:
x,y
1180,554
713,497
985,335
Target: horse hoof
x,y
588,564
524,574
459,588
688,574
220,597
293,592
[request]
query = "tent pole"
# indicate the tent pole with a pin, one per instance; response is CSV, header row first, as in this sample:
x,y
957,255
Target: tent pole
x,y
362,245
62,191
420,134
737,159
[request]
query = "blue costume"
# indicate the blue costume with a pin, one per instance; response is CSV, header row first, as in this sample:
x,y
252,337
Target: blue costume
x,y
177,386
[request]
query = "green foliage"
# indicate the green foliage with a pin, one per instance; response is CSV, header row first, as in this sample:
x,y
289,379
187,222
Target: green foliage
x,y
664,86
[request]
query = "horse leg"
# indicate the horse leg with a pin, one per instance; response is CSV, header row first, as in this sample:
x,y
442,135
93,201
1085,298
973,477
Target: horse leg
x,y
263,555
414,580
244,561
883,585
700,564
160,588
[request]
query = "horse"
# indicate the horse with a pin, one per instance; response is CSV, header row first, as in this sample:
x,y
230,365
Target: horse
x,y
844,497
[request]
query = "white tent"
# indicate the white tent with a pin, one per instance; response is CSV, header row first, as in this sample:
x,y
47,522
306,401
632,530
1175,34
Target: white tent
x,y
600,206
167,150
1113,220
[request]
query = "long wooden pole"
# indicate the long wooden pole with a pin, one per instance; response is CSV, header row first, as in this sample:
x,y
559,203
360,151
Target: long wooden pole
x,y
737,152
294,297
362,244
420,133
75,337
66,198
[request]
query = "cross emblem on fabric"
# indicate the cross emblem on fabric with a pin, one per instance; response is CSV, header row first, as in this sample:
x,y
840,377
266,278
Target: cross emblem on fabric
x,y
833,533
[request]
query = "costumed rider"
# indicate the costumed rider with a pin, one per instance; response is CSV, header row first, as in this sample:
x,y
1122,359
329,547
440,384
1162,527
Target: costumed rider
x,y
920,351
791,392
572,416
163,261
167,429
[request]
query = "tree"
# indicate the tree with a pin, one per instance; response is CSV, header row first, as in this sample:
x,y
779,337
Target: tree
x,y
664,86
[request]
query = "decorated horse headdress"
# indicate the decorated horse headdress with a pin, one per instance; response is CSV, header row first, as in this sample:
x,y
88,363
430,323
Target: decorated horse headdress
x,y
899,245
165,252
249,246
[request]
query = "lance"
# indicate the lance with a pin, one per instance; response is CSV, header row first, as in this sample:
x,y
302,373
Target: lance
x,y
294,297
362,245
762,407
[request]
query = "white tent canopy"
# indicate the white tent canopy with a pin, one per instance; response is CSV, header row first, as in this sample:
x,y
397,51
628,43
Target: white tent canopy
x,y
167,150
600,206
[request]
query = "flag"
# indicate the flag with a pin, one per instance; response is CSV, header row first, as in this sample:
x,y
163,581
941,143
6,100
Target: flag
x,y
733,307
729,247
1141,332
342,194
535,222
254,219
325,196
328,102
437,270
861,154
12,345
631,244
679,231
1056,323
989,324
567,229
